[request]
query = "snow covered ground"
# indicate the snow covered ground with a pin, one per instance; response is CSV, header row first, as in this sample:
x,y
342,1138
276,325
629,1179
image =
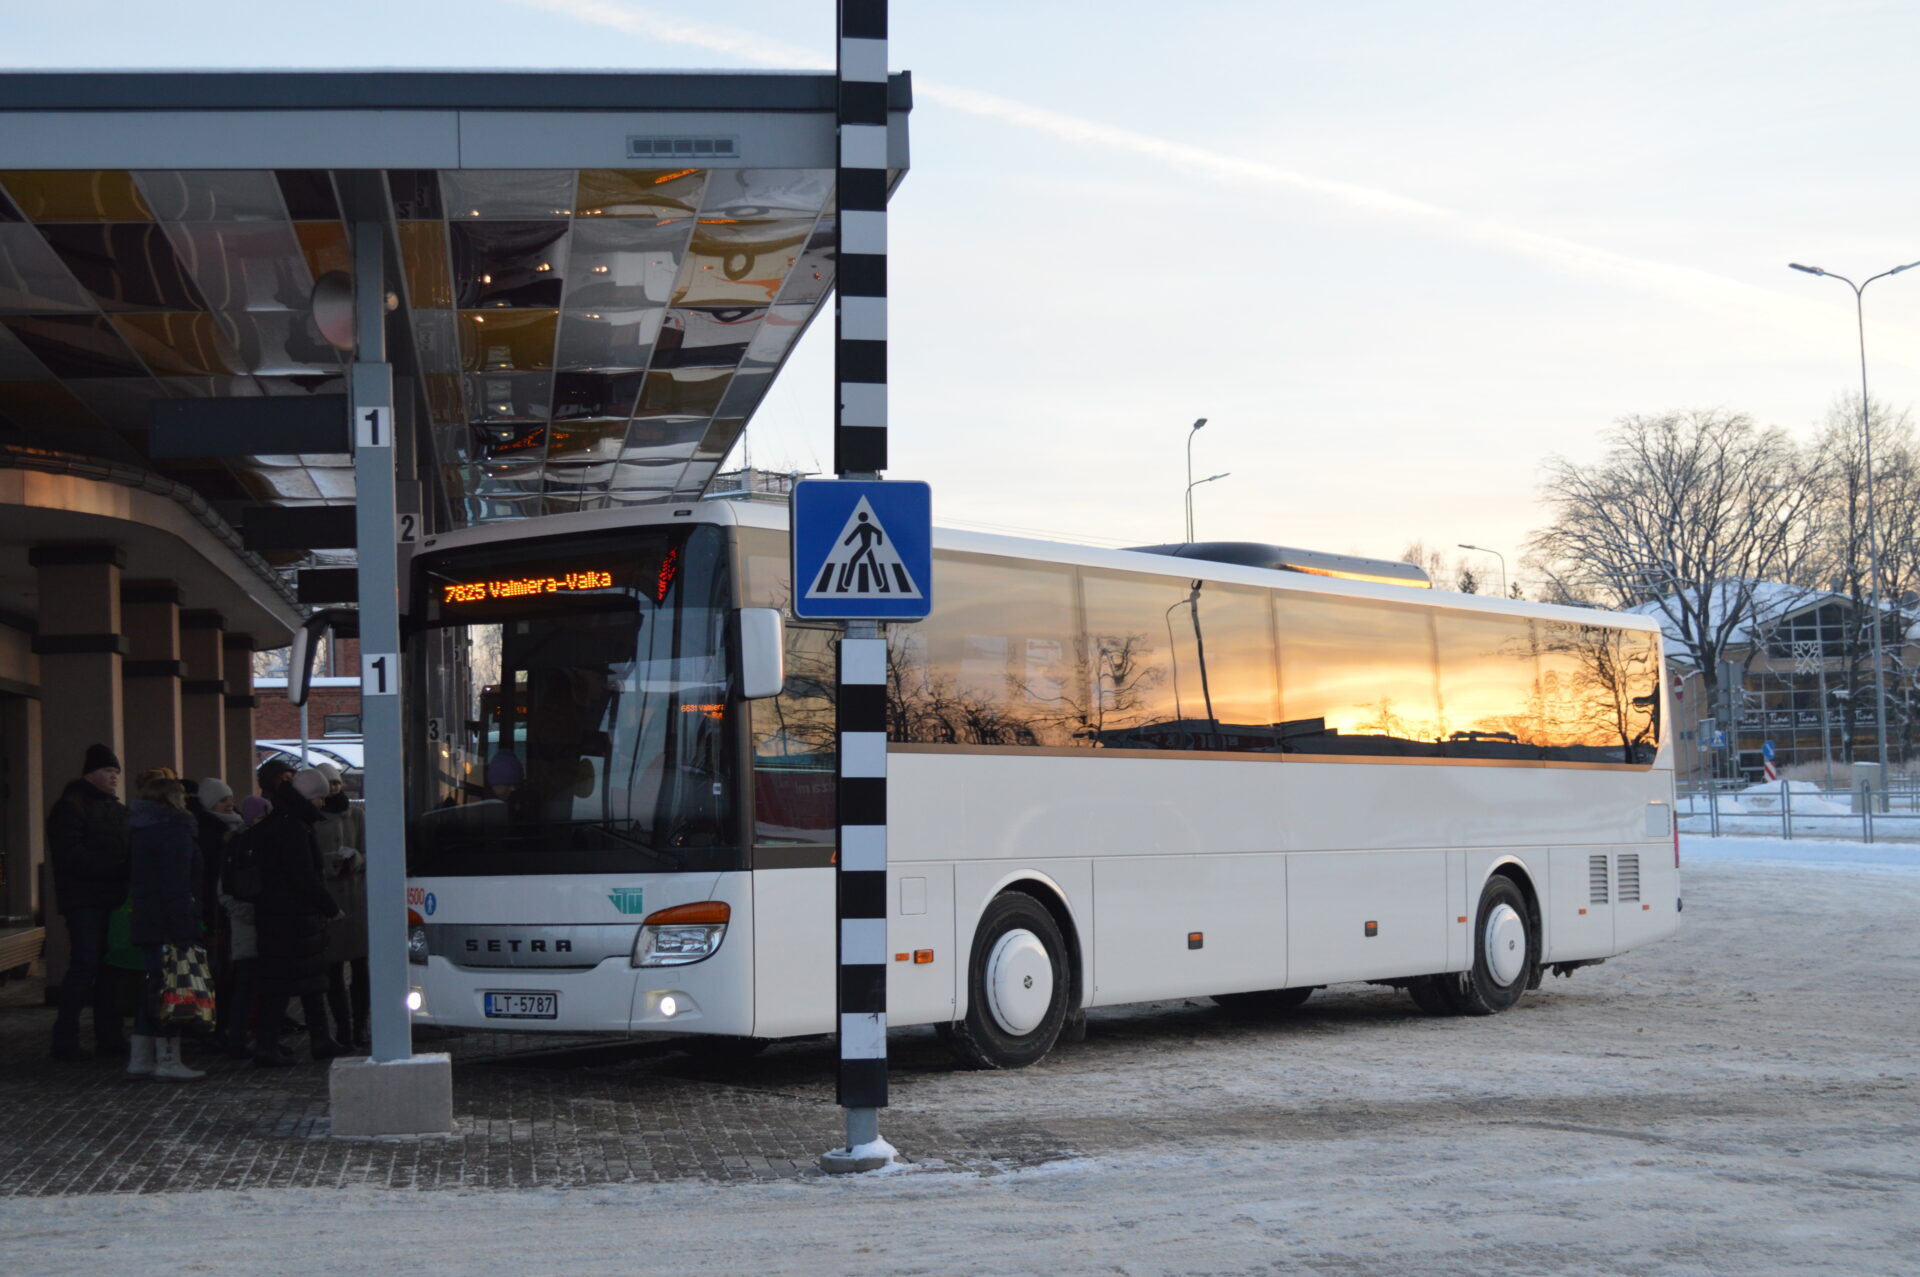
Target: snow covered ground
x,y
1741,1099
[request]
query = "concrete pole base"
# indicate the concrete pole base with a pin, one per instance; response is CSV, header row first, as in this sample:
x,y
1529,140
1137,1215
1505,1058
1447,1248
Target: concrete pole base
x,y
393,1097
867,1157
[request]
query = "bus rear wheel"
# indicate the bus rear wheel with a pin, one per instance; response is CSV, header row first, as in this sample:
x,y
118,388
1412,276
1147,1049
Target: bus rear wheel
x,y
1264,1002
1017,987
1505,952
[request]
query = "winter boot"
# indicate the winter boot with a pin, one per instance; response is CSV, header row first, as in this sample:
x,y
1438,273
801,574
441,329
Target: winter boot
x,y
167,1065
140,1058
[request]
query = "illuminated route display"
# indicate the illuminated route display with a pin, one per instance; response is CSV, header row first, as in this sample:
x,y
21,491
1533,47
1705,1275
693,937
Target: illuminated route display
x,y
519,587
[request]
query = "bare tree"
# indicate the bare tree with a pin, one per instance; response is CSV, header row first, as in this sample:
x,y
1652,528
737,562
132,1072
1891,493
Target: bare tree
x,y
1843,560
1693,512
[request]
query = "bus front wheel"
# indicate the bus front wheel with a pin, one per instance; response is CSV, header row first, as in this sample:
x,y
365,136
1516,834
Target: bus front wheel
x,y
1017,987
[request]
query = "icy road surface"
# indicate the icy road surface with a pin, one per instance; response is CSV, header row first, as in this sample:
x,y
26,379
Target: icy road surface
x,y
1739,1100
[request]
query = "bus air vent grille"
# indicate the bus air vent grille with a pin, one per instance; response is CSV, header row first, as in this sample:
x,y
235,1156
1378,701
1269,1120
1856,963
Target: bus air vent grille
x,y
1630,879
1596,880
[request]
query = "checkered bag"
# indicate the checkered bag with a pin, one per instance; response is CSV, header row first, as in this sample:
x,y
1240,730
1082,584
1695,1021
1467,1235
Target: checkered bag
x,y
186,987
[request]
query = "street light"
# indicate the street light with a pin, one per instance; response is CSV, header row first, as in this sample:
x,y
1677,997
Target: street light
x,y
1496,554
1191,432
1190,487
1873,539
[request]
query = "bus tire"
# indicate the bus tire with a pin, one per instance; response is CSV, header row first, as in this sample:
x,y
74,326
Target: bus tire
x,y
1018,987
1264,1002
1505,952
1429,993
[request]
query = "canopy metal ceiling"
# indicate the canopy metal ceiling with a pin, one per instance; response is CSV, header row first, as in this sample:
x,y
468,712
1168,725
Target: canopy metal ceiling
x,y
577,334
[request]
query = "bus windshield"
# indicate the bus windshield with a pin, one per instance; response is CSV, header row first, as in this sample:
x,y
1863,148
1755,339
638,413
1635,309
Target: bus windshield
x,y
572,698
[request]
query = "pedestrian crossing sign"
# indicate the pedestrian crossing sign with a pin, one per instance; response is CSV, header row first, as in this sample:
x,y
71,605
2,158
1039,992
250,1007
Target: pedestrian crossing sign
x,y
862,550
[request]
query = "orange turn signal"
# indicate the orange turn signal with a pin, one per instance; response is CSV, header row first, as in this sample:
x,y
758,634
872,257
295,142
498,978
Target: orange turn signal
x,y
921,957
707,912
414,919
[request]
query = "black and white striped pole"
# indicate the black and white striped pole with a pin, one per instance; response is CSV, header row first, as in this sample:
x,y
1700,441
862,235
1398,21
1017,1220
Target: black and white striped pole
x,y
860,452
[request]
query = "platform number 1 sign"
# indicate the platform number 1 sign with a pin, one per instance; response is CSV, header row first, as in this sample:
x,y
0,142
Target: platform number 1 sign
x,y
379,674
372,429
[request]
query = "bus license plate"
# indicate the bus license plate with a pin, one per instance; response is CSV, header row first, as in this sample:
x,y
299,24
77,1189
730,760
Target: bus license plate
x,y
523,1006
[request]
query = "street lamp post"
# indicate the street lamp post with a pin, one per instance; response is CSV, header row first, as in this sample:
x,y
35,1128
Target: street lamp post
x,y
1496,554
1873,537
1190,487
1191,432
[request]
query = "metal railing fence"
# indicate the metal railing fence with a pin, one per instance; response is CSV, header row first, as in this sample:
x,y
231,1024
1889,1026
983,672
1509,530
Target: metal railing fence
x,y
1799,809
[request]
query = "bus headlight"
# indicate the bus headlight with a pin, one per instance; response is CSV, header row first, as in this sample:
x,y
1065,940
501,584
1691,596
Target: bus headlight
x,y
680,935
417,944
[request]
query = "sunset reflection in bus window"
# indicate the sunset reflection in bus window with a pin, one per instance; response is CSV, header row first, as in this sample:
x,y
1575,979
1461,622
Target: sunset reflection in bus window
x,y
993,665
1489,689
1357,677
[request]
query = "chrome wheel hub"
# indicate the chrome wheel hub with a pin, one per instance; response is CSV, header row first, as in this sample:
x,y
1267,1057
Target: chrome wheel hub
x,y
1505,943
1019,982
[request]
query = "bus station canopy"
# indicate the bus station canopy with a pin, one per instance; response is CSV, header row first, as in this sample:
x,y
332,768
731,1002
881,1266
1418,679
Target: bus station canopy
x,y
594,277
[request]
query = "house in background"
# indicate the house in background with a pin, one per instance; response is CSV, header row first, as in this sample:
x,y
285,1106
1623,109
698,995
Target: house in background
x,y
1797,671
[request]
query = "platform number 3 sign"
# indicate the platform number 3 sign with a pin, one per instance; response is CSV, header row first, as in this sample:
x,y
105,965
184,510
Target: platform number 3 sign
x,y
379,674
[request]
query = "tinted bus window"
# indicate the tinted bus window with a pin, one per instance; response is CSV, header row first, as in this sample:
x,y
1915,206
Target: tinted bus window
x,y
1600,693
1356,677
1178,664
994,664
1489,686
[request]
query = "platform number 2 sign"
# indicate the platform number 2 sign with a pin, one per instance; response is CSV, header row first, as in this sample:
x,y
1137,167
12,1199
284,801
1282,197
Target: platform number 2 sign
x,y
379,674
372,428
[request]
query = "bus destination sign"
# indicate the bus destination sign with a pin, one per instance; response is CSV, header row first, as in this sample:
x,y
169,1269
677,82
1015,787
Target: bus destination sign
x,y
525,586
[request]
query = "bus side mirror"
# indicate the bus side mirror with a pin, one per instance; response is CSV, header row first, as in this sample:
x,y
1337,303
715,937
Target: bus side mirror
x,y
343,622
763,652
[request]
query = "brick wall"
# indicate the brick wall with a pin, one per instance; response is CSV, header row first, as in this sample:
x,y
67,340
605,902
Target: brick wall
x,y
277,720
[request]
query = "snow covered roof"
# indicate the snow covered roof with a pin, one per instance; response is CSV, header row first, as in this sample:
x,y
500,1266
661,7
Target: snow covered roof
x,y
1762,603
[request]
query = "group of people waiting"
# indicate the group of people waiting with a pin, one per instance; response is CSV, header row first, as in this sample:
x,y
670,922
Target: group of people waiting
x,y
273,885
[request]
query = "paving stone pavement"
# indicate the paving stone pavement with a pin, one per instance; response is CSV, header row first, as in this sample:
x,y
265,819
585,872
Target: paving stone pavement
x,y
565,1113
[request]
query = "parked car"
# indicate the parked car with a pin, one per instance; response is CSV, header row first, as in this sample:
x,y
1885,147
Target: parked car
x,y
346,753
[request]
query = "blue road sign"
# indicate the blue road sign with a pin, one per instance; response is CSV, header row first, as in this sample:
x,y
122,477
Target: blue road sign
x,y
862,550
1719,740
1766,750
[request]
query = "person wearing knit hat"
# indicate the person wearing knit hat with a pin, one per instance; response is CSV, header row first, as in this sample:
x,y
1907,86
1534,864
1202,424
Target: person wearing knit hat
x,y
213,792
331,772
254,809
310,785
92,865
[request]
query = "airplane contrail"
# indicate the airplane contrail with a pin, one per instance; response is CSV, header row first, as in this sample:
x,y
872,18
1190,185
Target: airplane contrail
x,y
1726,298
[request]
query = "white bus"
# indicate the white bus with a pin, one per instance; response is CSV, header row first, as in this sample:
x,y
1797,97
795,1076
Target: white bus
x,y
1115,776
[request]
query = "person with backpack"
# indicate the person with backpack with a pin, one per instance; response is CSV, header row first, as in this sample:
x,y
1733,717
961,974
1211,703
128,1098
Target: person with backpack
x,y
291,916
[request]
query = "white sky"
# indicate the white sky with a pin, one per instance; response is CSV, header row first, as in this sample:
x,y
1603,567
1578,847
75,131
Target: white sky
x,y
1395,252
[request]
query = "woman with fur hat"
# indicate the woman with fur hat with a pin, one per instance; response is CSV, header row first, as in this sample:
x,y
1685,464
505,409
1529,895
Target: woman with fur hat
x,y
291,917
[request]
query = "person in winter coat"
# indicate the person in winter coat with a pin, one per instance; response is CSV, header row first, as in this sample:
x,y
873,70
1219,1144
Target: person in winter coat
x,y
87,845
291,917
340,835
232,959
166,911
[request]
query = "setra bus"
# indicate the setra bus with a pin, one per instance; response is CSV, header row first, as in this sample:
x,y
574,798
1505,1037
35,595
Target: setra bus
x,y
1114,776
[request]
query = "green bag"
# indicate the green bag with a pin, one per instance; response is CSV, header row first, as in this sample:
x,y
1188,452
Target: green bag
x,y
121,951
